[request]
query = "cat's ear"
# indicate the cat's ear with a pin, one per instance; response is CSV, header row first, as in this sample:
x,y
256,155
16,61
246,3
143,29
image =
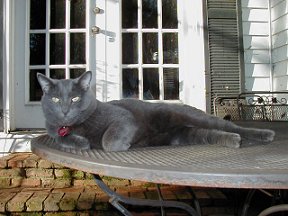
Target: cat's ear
x,y
84,80
45,82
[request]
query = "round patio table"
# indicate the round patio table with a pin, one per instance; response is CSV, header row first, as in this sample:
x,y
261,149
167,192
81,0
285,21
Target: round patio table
x,y
254,167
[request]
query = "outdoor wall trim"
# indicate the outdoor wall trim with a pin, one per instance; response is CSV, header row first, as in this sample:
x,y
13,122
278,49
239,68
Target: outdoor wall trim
x,y
270,44
8,64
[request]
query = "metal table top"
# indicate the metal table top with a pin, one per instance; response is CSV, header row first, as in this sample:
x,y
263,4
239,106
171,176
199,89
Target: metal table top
x,y
261,166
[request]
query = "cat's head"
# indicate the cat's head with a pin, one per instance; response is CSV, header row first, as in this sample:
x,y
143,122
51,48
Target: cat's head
x,y
67,102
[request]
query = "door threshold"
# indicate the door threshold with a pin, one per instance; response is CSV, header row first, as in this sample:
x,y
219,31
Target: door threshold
x,y
18,141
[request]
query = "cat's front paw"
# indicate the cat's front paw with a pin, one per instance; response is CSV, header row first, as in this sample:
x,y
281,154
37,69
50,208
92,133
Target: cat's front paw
x,y
81,143
83,146
75,142
115,146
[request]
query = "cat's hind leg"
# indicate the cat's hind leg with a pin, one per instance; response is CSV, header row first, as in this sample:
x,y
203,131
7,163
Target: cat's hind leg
x,y
194,135
259,135
194,117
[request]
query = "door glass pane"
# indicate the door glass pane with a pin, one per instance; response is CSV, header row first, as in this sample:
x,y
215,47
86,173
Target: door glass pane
x,y
37,49
74,73
57,14
150,48
171,83
77,48
149,40
130,83
151,84
170,48
129,14
130,48
47,44
57,73
38,14
169,14
149,14
77,14
57,48
35,89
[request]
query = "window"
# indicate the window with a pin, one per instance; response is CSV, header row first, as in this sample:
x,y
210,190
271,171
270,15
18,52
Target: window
x,y
56,45
150,63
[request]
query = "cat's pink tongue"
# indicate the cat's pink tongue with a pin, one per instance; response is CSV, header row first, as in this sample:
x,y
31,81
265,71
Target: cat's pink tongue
x,y
64,131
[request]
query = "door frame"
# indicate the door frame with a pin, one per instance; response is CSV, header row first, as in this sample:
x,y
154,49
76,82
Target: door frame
x,y
8,65
192,47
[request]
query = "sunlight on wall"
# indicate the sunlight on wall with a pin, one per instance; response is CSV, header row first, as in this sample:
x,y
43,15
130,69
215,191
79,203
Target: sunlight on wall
x,y
261,72
279,17
192,54
255,22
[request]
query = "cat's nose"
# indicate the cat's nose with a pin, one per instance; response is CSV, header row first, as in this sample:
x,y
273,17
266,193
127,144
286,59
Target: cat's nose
x,y
65,110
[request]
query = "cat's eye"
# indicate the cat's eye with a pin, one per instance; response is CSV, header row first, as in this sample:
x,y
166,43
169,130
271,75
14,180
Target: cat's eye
x,y
75,99
55,99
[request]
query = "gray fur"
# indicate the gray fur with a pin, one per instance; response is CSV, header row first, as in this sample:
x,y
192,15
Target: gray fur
x,y
128,123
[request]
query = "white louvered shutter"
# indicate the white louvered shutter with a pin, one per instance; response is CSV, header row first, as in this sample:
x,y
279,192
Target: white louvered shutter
x,y
224,71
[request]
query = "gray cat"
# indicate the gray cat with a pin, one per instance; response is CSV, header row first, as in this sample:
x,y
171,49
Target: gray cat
x,y
77,120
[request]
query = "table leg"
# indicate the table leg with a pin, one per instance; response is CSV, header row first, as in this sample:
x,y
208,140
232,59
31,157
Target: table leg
x,y
196,202
116,198
161,198
274,209
267,211
247,202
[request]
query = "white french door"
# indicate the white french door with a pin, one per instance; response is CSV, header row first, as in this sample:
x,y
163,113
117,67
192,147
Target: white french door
x,y
146,49
52,37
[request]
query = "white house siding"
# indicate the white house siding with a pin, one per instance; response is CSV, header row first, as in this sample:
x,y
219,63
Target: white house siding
x,y
256,40
279,23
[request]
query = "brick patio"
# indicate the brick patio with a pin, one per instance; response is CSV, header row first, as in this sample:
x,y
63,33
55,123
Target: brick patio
x,y
32,186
